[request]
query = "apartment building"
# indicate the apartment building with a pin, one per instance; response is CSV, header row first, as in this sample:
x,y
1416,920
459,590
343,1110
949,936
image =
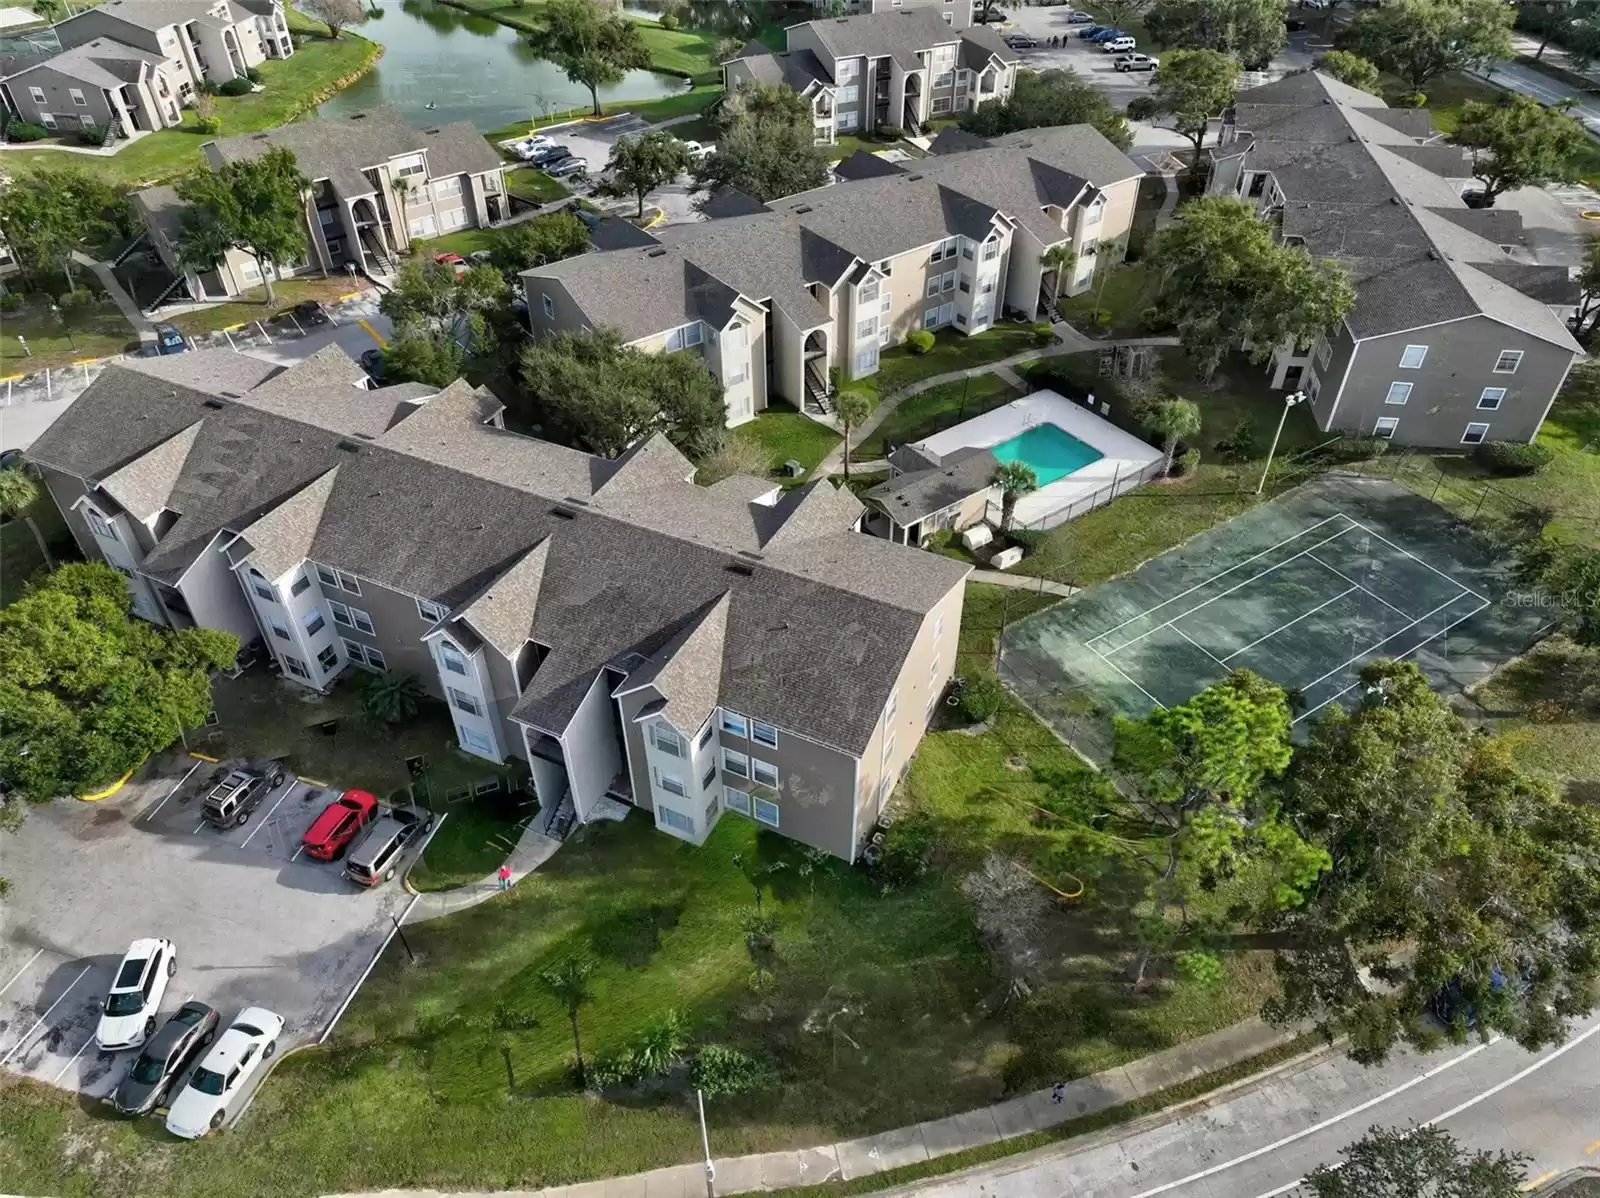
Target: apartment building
x,y
686,650
777,298
376,183
1457,335
955,13
128,66
892,68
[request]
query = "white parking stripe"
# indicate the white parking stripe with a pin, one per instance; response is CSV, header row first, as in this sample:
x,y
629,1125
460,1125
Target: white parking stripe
x,y
287,792
21,971
198,826
56,1080
170,793
43,1017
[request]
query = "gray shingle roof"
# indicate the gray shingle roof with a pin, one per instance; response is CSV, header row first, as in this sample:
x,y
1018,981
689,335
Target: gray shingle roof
x,y
615,233
819,618
143,486
1552,285
798,69
102,62
730,201
864,165
902,35
908,498
687,670
155,15
503,613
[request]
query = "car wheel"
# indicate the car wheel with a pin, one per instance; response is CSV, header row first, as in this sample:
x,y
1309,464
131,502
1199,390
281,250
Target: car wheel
x,y
216,1120
272,1047
149,1027
207,1038
276,781
172,966
389,874
243,816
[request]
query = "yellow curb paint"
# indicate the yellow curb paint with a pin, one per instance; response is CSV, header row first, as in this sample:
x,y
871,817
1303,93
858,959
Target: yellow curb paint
x,y
314,782
661,215
348,295
373,333
1592,1149
1539,1181
232,327
108,791
85,361
11,378
203,757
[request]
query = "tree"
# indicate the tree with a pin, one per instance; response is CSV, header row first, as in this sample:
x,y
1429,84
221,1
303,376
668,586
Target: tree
x,y
1568,574
18,493
568,983
764,101
1172,421
1518,142
1190,87
1224,278
87,691
1009,910
1420,40
46,215
1058,97
1015,479
1350,69
984,9
431,299
335,14
1250,31
253,204
766,149
546,238
853,406
1417,1162
417,356
392,698
1060,259
593,46
639,165
1464,895
611,395
1115,12
1588,314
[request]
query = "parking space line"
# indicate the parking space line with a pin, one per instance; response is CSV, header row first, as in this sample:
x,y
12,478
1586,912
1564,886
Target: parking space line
x,y
21,971
56,1080
264,819
297,853
372,964
198,826
170,793
46,1015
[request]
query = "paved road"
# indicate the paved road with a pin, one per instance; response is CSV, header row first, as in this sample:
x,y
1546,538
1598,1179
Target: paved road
x,y
1513,76
1261,1142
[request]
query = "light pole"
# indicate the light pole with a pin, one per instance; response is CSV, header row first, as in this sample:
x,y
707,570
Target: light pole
x,y
705,1141
1289,401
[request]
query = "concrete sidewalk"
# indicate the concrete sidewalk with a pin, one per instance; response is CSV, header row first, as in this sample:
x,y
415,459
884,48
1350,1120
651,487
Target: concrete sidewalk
x,y
871,1155
533,849
1022,582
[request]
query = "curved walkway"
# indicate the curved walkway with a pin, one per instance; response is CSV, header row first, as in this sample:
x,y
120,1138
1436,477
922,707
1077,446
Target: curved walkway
x,y
533,849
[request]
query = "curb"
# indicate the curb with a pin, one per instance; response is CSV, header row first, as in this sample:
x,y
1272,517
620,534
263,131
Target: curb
x,y
110,790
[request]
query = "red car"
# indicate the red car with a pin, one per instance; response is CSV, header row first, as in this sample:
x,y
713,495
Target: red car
x,y
340,822
448,259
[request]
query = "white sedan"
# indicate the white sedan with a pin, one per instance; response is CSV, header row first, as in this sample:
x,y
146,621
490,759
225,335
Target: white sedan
x,y
216,1084
135,996
525,148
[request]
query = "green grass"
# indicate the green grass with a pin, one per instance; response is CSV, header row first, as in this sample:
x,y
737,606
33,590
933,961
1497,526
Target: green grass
x,y
688,53
1447,96
688,102
783,433
936,408
848,143
476,836
292,87
252,304
898,366
532,184
1123,291
76,334
463,242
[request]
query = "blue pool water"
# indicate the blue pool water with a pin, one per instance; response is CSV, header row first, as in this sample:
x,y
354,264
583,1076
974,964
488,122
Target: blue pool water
x,y
1051,450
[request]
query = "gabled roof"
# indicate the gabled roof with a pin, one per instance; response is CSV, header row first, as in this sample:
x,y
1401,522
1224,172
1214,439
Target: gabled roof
x,y
156,15
913,496
102,62
687,670
502,614
143,486
281,537
730,201
798,69
864,165
903,34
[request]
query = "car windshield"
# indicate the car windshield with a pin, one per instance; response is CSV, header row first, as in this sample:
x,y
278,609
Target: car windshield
x,y
147,1070
247,1029
207,1081
126,1002
189,1014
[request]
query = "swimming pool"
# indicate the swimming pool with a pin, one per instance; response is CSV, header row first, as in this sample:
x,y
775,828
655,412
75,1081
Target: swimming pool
x,y
1049,449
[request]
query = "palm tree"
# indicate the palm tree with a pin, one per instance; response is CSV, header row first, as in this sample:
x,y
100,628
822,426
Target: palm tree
x,y
1015,479
854,406
1172,421
568,982
402,197
1060,258
18,493
391,698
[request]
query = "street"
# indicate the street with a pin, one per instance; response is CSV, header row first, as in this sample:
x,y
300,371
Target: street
x,y
1259,1142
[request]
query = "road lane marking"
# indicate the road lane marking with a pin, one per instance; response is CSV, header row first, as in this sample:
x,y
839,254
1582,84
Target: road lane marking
x,y
198,826
267,816
372,332
356,989
56,1080
170,793
21,971
42,1018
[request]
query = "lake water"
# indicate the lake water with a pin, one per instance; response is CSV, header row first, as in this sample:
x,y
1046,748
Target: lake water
x,y
471,69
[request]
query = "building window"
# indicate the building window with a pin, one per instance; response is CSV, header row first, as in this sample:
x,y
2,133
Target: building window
x,y
766,812
711,811
452,659
77,97
943,79
666,740
430,611
866,328
685,337
849,95
300,584
867,361
930,318
991,250
734,723
736,375
279,628
675,820
362,621
945,249
475,741
1491,397
1475,434
37,93
1385,427
705,735
736,763
765,733
328,659
549,306
1324,352
764,771
48,119
338,579
295,666
867,293
736,800
1413,358
315,623
938,626
355,650
341,614
933,670
375,659
672,786
847,69
100,525
847,119
892,706
941,105
1398,393
463,701
263,588
711,776
1508,361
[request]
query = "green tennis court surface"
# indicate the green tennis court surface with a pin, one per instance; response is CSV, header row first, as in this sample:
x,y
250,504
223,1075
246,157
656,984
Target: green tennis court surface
x,y
1304,591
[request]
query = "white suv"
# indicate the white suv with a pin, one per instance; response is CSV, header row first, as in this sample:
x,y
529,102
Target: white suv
x,y
1119,45
135,996
203,1104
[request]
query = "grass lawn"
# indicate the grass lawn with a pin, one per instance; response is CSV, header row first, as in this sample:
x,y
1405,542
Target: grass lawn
x,y
936,408
1124,291
76,334
535,185
689,53
474,839
292,87
463,242
1545,705
784,433
898,366
848,143
252,304
689,102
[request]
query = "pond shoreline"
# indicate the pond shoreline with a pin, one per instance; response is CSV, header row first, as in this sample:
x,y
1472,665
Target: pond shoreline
x,y
527,24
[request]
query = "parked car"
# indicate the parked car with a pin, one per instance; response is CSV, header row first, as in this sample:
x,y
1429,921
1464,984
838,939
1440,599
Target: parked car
x,y
340,822
378,855
697,150
129,1016
1091,31
238,794
480,257
372,362
169,340
1106,35
1020,41
309,312
1136,62
164,1058
1118,45
567,166
549,153
1078,17
528,146
203,1104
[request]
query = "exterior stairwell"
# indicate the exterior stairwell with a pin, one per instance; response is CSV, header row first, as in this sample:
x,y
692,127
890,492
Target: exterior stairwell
x,y
817,400
560,819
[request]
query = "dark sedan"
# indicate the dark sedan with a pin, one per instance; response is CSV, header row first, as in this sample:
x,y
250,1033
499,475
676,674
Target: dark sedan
x,y
165,1057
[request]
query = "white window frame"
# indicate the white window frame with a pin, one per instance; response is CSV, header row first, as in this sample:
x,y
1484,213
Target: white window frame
x,y
930,318
354,650
36,94
735,724
279,629
1499,396
430,611
673,785
549,305
341,614
313,621
735,799
1412,357
1403,390
99,525
850,94
296,667
450,656
363,621
461,701
846,119
847,68
1466,435
771,737
78,100
328,667
1516,356
475,740
736,763
263,588
892,706
1386,427
376,659
666,740
666,816
933,287
765,811
941,105
759,769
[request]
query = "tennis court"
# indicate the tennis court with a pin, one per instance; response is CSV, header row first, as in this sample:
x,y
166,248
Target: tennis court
x,y
1304,591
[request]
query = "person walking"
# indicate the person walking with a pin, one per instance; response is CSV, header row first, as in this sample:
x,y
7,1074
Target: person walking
x,y
1058,1092
505,876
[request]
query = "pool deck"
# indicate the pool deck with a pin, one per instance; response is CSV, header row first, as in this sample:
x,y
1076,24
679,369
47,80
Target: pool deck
x,y
1123,455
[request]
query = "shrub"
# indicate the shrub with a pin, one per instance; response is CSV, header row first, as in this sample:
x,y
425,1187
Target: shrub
x,y
719,1070
1413,100
669,21
1358,449
11,301
208,87
71,301
611,1072
891,132
1029,539
661,1045
237,86
1513,457
1043,332
1186,462
1155,319
1240,445
23,131
91,137
208,124
919,341
907,847
1100,318
252,74
980,697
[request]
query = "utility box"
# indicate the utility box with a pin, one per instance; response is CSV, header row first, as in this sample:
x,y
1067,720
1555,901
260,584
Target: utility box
x,y
977,537
1006,558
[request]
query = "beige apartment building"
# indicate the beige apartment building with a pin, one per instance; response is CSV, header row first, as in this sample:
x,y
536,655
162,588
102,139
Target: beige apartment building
x,y
634,638
780,297
889,68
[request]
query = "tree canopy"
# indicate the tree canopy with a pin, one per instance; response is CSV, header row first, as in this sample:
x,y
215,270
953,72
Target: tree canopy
x,y
88,691
593,46
1518,142
336,14
1039,99
1416,1162
1225,278
430,297
1251,31
1420,40
252,204
46,215
1190,87
766,149
1351,69
545,238
638,165
610,395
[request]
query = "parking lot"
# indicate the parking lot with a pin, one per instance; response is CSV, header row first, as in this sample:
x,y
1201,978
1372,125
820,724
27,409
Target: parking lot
x,y
254,920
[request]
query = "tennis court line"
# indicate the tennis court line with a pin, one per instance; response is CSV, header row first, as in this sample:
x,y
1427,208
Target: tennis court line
x,y
1297,619
1356,585
1199,646
1129,681
1224,594
1417,559
1481,606
1239,565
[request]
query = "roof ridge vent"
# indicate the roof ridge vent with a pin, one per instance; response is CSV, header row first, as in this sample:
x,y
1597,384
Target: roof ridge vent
x,y
565,513
914,178
657,252
348,446
802,209
744,568
216,404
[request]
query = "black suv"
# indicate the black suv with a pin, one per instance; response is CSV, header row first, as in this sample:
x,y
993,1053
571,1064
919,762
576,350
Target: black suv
x,y
233,799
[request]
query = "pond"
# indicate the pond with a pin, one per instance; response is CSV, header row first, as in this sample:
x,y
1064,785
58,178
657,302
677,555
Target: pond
x,y
471,69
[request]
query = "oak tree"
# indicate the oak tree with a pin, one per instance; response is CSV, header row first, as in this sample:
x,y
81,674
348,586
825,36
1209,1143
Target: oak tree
x,y
252,204
1518,142
594,46
1419,40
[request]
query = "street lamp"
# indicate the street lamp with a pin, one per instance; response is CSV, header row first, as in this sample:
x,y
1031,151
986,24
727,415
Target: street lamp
x,y
1289,401
705,1141
65,328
